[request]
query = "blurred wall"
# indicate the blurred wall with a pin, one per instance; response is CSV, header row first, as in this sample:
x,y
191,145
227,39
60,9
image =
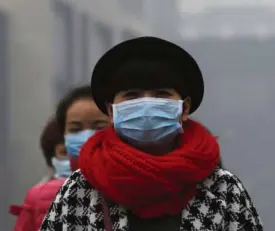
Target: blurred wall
x,y
51,46
239,108
4,105
163,17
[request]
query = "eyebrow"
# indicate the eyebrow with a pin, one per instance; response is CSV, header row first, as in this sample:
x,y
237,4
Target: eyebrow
x,y
92,122
154,89
74,122
163,89
132,90
100,121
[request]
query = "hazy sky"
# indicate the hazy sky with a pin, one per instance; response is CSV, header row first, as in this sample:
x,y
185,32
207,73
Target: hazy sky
x,y
229,21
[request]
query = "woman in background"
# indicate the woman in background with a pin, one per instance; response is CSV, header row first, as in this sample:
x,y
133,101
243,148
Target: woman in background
x,y
78,119
40,196
48,140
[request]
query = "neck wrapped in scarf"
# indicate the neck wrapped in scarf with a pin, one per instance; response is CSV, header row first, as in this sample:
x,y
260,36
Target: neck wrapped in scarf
x,y
150,186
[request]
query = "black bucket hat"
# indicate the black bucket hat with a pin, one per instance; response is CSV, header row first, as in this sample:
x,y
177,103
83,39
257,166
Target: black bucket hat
x,y
142,48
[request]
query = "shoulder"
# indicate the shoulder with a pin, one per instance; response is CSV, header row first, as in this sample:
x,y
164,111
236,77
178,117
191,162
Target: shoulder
x,y
223,180
240,208
76,186
48,190
77,179
75,200
226,188
47,185
223,196
33,193
45,179
54,183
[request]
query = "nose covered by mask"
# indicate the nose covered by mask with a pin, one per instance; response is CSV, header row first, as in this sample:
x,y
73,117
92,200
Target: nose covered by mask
x,y
148,121
62,167
75,141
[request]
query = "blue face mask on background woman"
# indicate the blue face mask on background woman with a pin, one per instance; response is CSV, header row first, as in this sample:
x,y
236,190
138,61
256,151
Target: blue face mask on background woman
x,y
62,167
75,141
147,121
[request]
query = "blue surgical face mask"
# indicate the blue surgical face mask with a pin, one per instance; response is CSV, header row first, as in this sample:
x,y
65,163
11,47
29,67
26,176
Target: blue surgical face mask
x,y
75,141
62,167
147,121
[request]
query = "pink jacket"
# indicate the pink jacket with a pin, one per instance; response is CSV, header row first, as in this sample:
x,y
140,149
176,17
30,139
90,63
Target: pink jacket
x,y
36,205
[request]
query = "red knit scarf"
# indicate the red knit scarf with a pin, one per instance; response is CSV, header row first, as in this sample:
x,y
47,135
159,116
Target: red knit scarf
x,y
150,186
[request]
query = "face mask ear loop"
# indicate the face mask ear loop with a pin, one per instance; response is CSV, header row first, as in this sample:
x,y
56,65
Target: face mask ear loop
x,y
114,107
181,108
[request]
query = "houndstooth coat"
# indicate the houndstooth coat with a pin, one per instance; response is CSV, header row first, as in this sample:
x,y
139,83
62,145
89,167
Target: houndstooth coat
x,y
221,204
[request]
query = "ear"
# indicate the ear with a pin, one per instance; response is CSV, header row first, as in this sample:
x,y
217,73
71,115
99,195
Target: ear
x,y
186,109
110,111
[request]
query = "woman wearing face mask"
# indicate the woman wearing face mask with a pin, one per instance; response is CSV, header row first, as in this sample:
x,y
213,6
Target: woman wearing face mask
x,y
78,118
39,197
154,169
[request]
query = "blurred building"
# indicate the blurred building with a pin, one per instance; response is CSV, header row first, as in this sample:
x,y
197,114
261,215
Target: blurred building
x,y
46,47
164,18
227,19
234,43
161,16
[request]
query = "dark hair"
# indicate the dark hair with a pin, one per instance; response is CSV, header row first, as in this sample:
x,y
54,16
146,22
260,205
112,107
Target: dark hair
x,y
50,137
145,74
72,96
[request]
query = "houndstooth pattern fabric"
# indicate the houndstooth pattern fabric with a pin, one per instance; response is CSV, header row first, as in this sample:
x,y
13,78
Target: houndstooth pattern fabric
x,y
221,204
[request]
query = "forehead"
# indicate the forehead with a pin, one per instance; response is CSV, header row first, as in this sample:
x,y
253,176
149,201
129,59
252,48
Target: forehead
x,y
84,109
142,84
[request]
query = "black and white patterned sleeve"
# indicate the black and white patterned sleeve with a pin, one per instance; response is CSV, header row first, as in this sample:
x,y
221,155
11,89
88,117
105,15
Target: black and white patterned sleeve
x,y
54,219
241,213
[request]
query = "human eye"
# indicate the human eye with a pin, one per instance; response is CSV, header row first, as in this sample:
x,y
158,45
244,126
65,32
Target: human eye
x,y
163,94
